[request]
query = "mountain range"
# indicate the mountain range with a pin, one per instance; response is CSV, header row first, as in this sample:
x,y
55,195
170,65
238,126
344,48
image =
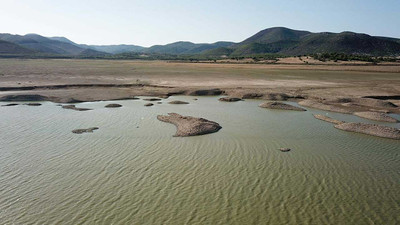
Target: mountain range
x,y
277,40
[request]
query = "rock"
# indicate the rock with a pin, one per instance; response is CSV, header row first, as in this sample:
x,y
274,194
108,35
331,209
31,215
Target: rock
x,y
322,106
202,92
148,104
328,119
280,105
113,105
284,149
11,104
371,129
195,99
378,116
73,107
152,99
178,102
88,130
229,99
190,126
33,104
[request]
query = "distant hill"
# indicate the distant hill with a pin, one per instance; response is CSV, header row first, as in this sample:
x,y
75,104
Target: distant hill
x,y
285,41
345,42
185,47
276,40
42,44
11,48
112,49
115,49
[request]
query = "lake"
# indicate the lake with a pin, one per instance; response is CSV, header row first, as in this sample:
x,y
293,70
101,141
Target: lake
x,y
132,171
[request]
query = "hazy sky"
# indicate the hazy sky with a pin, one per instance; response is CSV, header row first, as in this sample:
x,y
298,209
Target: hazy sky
x,y
150,22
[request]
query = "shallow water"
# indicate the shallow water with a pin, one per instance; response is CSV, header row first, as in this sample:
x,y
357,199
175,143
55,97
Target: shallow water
x,y
132,171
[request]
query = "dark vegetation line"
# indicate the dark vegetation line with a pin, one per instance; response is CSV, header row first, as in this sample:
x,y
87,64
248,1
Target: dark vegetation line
x,y
64,86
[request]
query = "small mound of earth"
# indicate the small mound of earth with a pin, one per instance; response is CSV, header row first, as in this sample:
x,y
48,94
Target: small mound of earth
x,y
251,95
280,105
190,126
322,106
113,105
73,107
148,104
371,129
328,119
88,130
230,99
210,92
378,116
178,102
366,102
152,99
33,104
11,104
277,96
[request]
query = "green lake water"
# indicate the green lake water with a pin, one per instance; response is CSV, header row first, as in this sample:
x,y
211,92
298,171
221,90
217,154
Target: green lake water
x,y
132,171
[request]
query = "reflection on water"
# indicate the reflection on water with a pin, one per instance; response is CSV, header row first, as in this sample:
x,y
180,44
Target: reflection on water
x,y
132,171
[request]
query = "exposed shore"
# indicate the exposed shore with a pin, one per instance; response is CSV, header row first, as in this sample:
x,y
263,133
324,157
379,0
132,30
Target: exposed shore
x,y
344,89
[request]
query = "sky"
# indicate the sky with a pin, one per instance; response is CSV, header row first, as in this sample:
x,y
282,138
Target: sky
x,y
150,22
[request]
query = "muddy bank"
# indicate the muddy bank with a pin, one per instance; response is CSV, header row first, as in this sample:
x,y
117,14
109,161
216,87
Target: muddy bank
x,y
363,128
377,116
371,129
280,105
190,126
328,119
326,107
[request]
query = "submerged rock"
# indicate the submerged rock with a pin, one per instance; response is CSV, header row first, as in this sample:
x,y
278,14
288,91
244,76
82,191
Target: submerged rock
x,y
113,105
148,104
178,102
328,119
33,104
280,105
190,126
11,104
88,130
73,107
371,129
230,99
152,99
378,116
